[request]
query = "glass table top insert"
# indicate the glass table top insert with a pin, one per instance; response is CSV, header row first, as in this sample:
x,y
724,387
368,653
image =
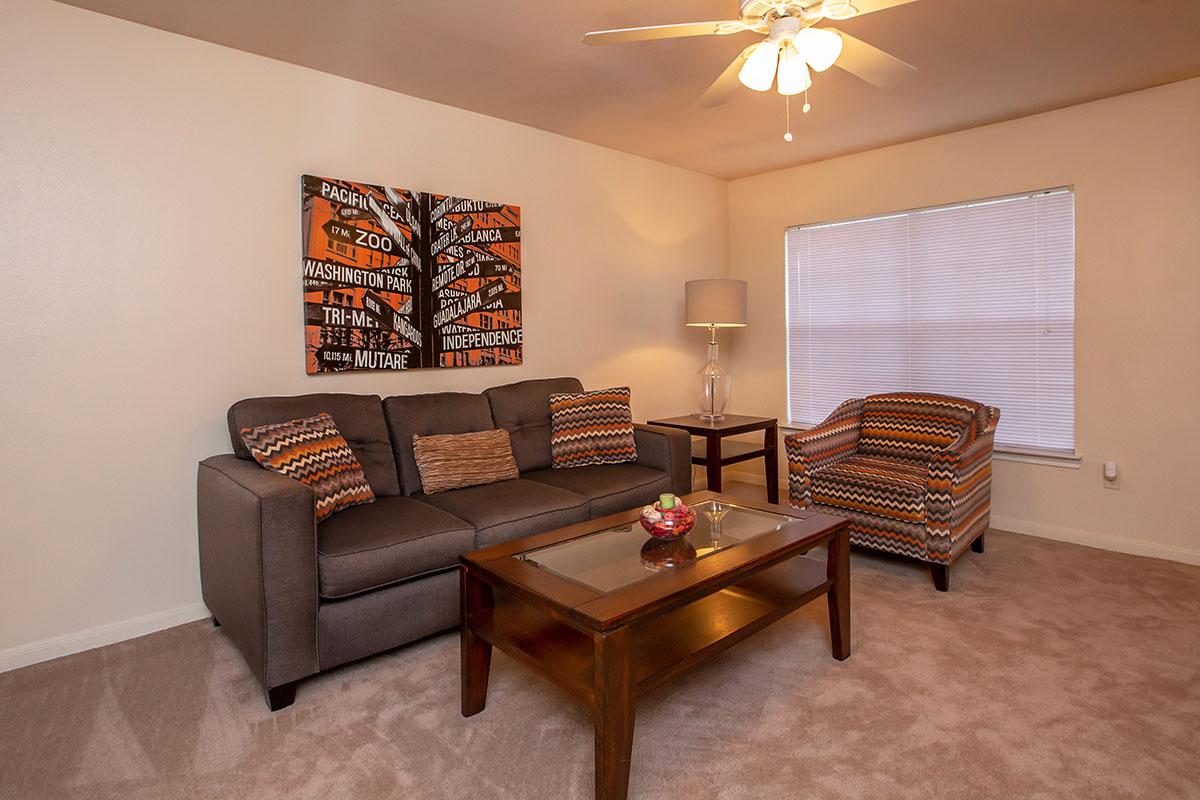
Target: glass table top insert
x,y
618,556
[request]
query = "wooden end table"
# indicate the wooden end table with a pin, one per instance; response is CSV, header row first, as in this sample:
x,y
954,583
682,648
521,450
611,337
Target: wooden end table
x,y
608,614
713,454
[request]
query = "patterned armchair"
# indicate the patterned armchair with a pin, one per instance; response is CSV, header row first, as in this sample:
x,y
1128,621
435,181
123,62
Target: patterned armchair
x,y
912,472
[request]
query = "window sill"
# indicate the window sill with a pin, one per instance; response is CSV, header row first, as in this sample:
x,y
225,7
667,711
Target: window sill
x,y
1045,459
1063,461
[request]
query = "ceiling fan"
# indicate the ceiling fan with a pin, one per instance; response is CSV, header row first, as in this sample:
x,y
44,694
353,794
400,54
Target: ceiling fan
x,y
794,43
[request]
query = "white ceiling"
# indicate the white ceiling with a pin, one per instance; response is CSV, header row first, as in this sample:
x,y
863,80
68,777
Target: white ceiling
x,y
978,61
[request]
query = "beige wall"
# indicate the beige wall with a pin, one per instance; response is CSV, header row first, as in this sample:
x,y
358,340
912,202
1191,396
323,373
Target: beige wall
x,y
150,220
1134,161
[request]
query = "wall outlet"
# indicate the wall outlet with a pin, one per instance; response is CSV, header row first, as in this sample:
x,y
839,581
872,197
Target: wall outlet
x,y
1111,475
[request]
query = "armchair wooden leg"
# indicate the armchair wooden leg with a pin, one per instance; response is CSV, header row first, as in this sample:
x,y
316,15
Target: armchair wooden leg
x,y
977,545
941,576
279,697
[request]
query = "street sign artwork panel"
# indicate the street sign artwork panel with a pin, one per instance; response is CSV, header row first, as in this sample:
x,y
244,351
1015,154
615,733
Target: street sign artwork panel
x,y
400,279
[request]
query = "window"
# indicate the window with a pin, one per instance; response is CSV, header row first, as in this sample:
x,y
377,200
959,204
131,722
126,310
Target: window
x,y
975,300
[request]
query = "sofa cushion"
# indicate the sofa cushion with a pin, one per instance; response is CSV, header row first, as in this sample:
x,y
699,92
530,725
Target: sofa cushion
x,y
313,452
911,426
429,414
885,487
591,428
609,488
395,538
358,417
523,409
509,510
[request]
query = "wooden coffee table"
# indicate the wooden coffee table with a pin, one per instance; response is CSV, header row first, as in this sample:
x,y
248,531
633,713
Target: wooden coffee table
x,y
608,613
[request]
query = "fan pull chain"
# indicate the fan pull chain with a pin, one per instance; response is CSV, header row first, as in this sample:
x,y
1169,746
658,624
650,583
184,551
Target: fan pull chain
x,y
807,108
787,101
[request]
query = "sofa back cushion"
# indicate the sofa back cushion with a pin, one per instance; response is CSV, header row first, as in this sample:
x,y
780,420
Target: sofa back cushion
x,y
429,415
523,409
358,417
912,427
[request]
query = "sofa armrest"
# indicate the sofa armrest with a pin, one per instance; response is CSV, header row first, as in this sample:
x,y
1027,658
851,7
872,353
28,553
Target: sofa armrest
x,y
666,449
820,447
959,488
258,565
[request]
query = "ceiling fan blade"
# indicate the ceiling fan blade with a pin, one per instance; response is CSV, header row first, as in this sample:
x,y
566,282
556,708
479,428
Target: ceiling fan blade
x,y
679,31
726,83
871,6
870,63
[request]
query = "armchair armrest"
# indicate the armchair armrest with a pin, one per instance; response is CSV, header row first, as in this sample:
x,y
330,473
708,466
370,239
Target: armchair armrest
x,y
258,565
819,447
666,449
959,487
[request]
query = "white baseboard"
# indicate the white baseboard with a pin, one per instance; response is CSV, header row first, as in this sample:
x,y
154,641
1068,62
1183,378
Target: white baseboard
x,y
1059,533
57,646
1101,541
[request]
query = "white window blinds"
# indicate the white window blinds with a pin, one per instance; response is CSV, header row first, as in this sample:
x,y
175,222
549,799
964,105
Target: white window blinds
x,y
975,300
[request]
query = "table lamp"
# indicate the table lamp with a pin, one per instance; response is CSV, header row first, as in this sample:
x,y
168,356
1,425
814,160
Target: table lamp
x,y
714,303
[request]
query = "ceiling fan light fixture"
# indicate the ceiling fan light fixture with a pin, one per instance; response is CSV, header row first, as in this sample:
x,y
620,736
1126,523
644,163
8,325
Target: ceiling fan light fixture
x,y
820,47
758,73
838,9
793,72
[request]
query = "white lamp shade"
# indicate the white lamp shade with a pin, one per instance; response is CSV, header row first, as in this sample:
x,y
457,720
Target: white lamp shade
x,y
793,72
758,73
819,47
716,302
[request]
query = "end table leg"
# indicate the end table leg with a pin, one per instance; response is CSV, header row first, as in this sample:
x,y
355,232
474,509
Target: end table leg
x,y
771,445
615,698
476,601
712,461
839,594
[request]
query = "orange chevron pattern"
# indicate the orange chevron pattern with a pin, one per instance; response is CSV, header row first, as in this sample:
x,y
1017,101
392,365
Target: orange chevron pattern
x,y
912,472
312,451
591,428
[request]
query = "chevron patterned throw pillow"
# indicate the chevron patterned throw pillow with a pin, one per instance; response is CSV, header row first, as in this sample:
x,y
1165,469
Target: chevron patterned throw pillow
x,y
312,451
591,428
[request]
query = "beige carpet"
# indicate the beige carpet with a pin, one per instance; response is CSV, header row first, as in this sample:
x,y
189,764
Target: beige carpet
x,y
1049,671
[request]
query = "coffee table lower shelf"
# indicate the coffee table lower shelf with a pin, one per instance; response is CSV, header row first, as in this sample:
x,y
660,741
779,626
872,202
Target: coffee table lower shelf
x,y
662,647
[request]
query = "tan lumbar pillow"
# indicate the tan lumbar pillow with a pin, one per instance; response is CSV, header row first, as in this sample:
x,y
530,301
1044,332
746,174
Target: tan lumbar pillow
x,y
456,460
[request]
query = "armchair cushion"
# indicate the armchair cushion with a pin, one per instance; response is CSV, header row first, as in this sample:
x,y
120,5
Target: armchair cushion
x,y
873,485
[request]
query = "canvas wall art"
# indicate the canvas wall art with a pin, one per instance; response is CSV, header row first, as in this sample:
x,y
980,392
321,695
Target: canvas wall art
x,y
399,279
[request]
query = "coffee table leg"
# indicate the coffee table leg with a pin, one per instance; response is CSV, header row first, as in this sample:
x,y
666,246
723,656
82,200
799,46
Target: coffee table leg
x,y
477,603
614,713
839,594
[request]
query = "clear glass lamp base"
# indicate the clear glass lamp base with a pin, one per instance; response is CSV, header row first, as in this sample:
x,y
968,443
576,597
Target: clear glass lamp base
x,y
712,387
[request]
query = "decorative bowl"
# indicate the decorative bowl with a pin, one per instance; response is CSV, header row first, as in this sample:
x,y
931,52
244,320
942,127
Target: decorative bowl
x,y
668,524
660,554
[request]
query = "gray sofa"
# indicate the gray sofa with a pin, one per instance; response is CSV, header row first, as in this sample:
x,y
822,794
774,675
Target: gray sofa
x,y
298,597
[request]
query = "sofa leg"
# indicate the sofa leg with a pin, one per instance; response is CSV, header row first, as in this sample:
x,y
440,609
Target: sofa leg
x,y
977,545
216,622
281,696
941,576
